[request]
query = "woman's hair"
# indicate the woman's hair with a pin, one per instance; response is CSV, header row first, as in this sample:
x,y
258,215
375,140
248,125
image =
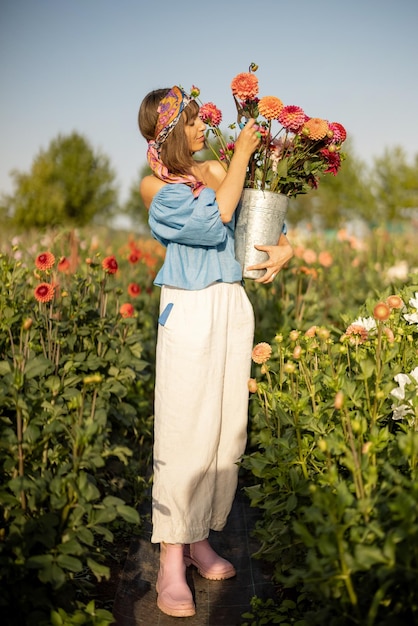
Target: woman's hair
x,y
175,151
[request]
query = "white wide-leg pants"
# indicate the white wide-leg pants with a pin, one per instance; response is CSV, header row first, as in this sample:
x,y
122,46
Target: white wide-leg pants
x,y
203,363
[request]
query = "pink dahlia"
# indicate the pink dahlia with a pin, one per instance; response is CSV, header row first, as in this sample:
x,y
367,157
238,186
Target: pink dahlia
x,y
292,117
210,114
228,152
356,334
245,86
339,133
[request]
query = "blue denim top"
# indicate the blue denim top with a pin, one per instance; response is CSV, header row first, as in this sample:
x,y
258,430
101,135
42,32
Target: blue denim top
x,y
200,247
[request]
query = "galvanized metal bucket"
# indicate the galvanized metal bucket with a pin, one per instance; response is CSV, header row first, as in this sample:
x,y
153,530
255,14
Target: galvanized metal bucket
x,y
259,221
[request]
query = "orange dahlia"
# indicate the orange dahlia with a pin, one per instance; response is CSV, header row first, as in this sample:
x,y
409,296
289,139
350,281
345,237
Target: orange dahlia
x,y
325,258
44,292
315,128
45,261
127,310
134,290
134,256
395,302
110,265
63,264
245,86
381,311
270,107
261,352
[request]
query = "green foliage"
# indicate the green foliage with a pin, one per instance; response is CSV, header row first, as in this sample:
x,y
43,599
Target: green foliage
x,y
87,615
335,477
395,186
69,184
134,207
75,427
331,277
338,199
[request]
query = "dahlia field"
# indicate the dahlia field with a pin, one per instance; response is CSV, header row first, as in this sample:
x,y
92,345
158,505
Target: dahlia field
x,y
332,456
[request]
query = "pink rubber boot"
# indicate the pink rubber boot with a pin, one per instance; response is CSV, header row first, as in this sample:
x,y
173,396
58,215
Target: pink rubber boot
x,y
174,594
209,564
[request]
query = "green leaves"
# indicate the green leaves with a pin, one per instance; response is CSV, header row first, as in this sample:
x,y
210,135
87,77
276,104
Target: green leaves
x,y
336,476
75,435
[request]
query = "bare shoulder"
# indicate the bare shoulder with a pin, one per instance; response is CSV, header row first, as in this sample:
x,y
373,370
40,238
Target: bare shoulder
x,y
213,173
149,187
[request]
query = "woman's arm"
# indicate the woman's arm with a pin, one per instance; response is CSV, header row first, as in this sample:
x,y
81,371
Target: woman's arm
x,y
229,189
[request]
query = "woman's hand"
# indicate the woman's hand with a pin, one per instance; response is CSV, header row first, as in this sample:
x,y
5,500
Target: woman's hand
x,y
279,256
248,140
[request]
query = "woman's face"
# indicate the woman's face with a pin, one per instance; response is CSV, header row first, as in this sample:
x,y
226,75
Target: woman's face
x,y
194,130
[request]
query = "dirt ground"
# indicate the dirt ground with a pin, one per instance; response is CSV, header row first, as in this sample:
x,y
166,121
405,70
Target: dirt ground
x,y
105,591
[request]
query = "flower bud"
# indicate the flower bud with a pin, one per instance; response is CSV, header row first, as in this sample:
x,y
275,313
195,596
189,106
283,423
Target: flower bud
x,y
252,385
322,445
366,447
289,368
293,335
297,352
27,323
92,379
323,333
389,334
339,400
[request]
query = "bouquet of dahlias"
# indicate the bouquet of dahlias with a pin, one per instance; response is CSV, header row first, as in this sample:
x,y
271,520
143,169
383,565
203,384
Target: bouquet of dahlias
x,y
292,157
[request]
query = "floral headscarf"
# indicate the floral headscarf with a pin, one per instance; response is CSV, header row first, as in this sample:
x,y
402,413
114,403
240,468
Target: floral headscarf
x,y
169,112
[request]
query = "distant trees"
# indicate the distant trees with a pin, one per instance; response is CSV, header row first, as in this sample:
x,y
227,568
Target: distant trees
x,y
69,184
395,185
386,191
134,208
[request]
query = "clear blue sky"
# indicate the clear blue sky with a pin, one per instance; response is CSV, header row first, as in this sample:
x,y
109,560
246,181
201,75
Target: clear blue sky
x,y
85,65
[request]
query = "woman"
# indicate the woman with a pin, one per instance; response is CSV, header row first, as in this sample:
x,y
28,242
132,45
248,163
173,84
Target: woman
x,y
205,338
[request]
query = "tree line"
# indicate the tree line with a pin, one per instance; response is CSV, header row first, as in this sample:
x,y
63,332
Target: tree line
x,y
73,184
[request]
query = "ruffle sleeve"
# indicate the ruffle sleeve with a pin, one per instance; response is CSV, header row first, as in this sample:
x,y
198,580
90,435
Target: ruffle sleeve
x,y
177,216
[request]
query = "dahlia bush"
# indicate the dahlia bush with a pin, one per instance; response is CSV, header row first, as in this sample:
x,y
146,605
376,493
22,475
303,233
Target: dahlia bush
x,y
77,337
295,149
334,458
